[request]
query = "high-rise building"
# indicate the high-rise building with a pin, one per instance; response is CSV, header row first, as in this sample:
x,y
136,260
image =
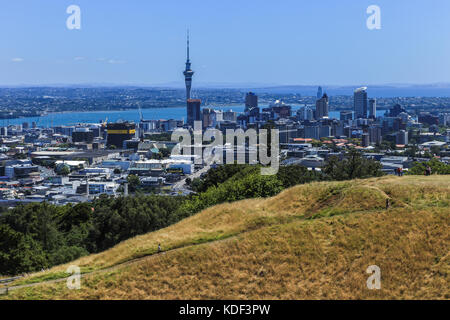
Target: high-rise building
x,y
324,131
402,137
305,113
373,108
365,140
229,115
82,135
346,115
319,93
396,110
251,101
360,103
312,132
375,134
119,132
193,111
208,117
322,107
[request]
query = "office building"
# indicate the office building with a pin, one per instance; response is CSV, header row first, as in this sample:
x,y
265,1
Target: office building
x,y
193,111
346,116
373,108
402,137
322,107
312,132
319,93
229,116
208,117
305,113
375,135
360,103
82,135
251,101
119,132
365,140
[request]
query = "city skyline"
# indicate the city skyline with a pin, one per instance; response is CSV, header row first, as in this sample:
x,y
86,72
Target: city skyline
x,y
233,46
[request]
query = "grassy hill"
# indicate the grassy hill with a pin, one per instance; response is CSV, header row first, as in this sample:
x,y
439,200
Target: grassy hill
x,y
313,241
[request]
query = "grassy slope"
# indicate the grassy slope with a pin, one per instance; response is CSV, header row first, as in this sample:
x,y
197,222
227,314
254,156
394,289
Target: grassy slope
x,y
311,241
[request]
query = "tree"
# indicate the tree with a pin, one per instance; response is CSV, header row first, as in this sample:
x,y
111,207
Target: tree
x,y
133,182
296,174
354,166
436,166
64,171
19,253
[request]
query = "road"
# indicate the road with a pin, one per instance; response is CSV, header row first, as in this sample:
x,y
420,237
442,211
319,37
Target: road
x,y
181,185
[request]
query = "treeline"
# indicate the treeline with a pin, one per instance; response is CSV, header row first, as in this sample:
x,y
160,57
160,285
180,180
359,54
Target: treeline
x,y
437,167
41,235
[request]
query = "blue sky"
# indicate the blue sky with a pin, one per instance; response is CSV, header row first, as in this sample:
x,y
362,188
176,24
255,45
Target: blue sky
x,y
233,41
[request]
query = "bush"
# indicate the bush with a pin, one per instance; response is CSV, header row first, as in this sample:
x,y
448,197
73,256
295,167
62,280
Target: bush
x,y
436,166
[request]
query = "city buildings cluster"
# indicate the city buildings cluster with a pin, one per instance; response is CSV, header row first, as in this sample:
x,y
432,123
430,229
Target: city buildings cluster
x,y
76,163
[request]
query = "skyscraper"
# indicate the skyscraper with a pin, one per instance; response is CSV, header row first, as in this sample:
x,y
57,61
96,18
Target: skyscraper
x,y
375,134
188,73
322,107
372,108
251,101
193,111
360,103
319,93
402,137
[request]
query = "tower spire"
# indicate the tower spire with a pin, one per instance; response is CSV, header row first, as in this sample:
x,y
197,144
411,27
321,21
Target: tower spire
x,y
188,73
187,44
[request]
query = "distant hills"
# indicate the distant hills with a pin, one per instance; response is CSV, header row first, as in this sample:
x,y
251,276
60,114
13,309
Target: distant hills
x,y
385,91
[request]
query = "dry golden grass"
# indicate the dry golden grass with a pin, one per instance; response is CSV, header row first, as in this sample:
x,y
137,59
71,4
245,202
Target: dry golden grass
x,y
312,241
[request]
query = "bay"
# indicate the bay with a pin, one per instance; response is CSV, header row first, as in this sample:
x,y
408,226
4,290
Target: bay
x,y
73,118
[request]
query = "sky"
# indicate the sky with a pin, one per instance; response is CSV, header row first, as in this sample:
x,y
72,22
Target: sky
x,y
284,42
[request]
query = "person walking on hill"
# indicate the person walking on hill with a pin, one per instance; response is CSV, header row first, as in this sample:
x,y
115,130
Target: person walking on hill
x,y
428,171
159,248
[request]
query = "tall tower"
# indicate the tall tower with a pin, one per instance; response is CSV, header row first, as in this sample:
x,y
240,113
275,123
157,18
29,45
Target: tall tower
x,y
322,107
360,103
373,108
188,73
319,93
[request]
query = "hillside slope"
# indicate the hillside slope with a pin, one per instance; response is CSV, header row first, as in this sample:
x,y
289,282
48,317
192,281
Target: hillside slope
x,y
312,241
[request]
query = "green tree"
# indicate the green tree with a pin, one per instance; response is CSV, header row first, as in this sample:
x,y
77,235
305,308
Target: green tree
x,y
437,167
133,182
354,166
